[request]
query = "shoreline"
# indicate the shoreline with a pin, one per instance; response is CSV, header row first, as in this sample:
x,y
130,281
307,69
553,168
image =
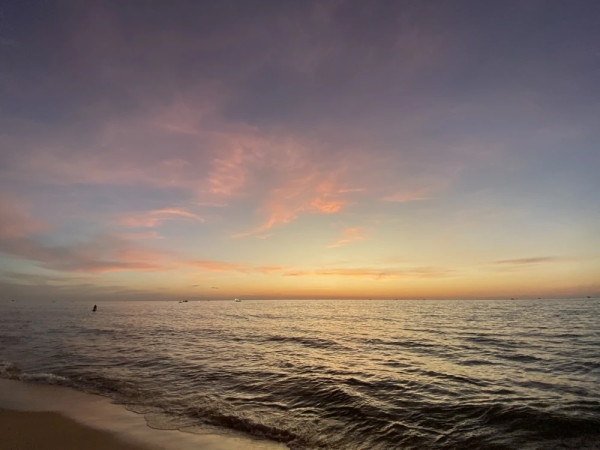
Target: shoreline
x,y
22,430
45,416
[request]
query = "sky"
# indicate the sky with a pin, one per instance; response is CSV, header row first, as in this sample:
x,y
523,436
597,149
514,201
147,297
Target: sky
x,y
309,149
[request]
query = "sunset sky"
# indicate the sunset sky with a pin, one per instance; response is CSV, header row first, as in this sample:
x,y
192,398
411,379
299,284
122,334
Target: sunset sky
x,y
273,149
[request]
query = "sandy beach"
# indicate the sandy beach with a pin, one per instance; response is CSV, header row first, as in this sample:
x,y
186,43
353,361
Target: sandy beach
x,y
34,416
25,430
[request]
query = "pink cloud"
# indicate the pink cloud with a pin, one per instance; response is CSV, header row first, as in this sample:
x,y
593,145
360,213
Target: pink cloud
x,y
229,172
309,192
192,149
143,235
153,218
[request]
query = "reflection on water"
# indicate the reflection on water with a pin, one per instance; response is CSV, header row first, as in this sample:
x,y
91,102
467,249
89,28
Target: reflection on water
x,y
336,374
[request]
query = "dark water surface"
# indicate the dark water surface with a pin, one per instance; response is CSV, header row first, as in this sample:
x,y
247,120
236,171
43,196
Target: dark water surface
x,y
329,374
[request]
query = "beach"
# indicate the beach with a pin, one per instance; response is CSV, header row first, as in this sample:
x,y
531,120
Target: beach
x,y
35,416
28,430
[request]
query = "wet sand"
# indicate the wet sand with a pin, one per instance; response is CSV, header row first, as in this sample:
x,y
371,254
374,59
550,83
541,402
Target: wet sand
x,y
41,417
26,430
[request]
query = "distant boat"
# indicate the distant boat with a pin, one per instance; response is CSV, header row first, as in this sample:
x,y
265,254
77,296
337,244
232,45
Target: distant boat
x,y
237,300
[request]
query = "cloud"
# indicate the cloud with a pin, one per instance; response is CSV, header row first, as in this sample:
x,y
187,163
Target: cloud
x,y
153,218
310,191
519,264
142,235
69,287
227,267
15,220
230,171
99,254
214,161
377,274
17,278
528,261
204,158
349,235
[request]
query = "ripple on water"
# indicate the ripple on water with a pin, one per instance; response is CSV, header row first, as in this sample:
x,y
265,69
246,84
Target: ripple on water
x,y
329,374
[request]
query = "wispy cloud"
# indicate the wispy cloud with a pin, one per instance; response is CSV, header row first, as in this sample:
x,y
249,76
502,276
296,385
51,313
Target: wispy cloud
x,y
229,171
99,254
228,267
407,196
349,235
310,192
15,221
142,235
529,261
377,274
153,218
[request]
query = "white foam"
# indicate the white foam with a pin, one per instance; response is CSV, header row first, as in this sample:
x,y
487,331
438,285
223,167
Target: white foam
x,y
8,370
45,378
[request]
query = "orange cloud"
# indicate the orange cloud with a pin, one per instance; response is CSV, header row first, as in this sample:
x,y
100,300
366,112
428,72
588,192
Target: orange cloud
x,y
351,234
325,201
326,206
378,274
221,267
302,194
238,152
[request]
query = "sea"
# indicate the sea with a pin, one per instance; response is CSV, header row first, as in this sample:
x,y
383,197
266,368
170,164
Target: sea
x,y
328,374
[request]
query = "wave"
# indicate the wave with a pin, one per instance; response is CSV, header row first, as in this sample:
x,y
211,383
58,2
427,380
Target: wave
x,y
513,421
406,343
11,371
450,383
46,378
311,342
242,423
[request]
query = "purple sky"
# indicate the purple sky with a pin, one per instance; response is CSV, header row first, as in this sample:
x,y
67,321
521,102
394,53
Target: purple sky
x,y
299,149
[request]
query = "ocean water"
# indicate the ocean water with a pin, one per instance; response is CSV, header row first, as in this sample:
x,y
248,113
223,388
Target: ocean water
x,y
329,374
